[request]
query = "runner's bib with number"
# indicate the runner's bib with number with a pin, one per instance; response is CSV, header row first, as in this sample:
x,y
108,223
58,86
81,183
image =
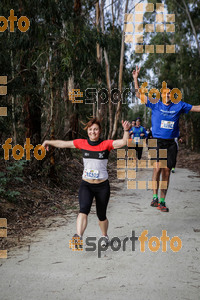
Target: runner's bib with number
x,y
167,124
95,157
90,174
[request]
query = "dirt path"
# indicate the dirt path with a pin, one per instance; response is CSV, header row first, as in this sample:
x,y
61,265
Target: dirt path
x,y
47,269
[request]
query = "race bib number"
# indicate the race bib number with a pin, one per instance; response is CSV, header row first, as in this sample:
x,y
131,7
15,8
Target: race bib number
x,y
136,139
167,124
91,174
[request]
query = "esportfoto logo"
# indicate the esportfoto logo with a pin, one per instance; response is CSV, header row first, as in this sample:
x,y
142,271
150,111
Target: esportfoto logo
x,y
153,243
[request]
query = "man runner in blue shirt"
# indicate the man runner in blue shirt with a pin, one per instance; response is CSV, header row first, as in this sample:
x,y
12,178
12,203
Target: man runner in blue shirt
x,y
138,133
165,128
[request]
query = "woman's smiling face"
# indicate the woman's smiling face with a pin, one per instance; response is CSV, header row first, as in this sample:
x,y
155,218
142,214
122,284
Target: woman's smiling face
x,y
93,132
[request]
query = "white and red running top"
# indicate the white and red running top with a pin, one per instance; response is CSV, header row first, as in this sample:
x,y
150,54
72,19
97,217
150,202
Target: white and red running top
x,y
95,157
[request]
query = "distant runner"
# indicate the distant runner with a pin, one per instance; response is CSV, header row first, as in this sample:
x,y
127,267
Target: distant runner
x,y
165,128
95,176
138,134
149,134
133,123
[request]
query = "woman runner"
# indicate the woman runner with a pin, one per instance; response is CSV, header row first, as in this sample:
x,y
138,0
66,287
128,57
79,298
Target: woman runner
x,y
95,176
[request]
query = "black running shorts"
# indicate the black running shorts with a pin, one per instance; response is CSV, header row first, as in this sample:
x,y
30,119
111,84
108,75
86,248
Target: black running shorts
x,y
138,151
172,151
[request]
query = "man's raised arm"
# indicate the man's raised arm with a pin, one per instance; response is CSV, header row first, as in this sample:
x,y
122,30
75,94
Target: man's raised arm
x,y
137,93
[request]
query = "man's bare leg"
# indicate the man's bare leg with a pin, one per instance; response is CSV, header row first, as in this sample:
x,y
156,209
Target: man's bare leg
x,y
165,182
156,177
163,191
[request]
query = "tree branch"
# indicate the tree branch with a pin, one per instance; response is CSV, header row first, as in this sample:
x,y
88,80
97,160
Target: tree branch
x,y
192,25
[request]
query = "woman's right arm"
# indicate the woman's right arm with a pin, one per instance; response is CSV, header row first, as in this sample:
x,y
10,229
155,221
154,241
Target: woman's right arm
x,y
58,144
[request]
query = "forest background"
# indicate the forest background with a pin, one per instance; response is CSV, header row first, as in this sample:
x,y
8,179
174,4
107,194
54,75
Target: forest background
x,y
79,44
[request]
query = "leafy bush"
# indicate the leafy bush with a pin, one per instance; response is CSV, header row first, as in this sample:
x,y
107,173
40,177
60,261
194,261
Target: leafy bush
x,y
12,175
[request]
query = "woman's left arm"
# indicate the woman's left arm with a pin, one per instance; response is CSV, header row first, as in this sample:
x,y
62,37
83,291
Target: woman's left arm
x,y
123,142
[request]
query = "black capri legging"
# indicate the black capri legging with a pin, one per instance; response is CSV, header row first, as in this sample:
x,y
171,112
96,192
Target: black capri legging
x,y
138,151
101,192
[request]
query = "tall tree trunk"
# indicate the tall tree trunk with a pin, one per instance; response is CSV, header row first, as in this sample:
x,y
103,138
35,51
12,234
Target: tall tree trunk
x,y
109,94
77,23
192,25
119,104
52,122
108,81
99,16
70,87
32,109
186,132
77,7
105,121
66,105
27,120
68,109
113,17
192,136
94,110
97,26
13,102
73,112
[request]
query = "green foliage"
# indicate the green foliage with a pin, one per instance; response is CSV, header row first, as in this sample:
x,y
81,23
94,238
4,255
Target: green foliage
x,y
12,176
59,43
142,112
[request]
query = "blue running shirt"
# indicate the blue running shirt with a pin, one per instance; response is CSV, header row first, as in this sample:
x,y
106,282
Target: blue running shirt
x,y
165,118
138,130
136,134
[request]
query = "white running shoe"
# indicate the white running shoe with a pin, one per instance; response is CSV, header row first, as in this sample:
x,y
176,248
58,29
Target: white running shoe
x,y
105,241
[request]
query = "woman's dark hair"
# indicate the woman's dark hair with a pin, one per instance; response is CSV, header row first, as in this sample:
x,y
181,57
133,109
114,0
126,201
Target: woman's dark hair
x,y
91,122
